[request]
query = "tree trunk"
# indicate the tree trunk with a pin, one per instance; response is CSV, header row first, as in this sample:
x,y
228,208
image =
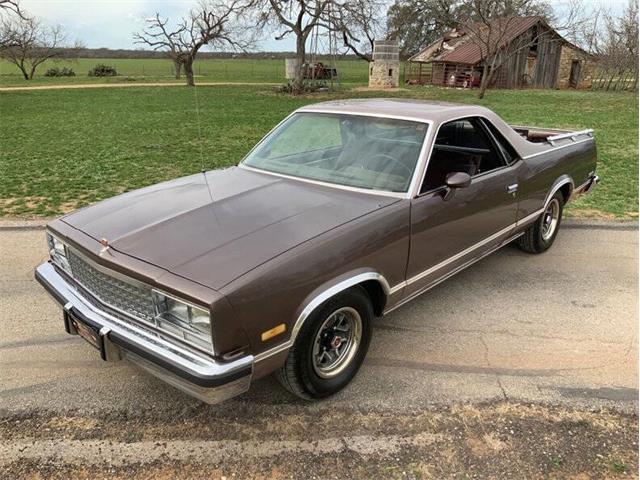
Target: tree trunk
x,y
32,72
178,68
298,81
484,83
23,70
610,81
188,71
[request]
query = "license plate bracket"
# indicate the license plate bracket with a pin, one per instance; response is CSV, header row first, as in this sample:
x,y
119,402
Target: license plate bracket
x,y
90,333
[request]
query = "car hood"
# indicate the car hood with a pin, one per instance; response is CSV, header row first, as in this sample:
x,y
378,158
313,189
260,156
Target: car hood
x,y
212,228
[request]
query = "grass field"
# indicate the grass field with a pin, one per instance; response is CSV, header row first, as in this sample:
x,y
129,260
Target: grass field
x,y
62,149
160,70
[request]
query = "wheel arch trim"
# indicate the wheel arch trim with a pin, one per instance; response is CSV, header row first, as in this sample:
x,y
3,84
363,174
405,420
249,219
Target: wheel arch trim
x,y
557,185
321,295
326,292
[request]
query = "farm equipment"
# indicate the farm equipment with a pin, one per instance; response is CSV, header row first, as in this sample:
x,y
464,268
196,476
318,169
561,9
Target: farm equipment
x,y
317,71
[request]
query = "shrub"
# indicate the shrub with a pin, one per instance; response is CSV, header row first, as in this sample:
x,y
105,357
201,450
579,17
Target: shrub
x,y
103,71
60,72
307,87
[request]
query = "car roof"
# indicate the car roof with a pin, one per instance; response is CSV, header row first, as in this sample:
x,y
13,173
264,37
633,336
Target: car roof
x,y
433,111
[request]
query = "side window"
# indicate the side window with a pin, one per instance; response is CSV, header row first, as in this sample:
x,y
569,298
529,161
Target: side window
x,y
508,152
460,146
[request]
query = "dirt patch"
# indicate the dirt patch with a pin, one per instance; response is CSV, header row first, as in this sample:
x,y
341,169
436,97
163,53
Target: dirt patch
x,y
124,85
503,440
593,214
380,89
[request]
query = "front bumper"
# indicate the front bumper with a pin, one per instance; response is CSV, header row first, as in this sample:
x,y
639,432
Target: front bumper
x,y
202,377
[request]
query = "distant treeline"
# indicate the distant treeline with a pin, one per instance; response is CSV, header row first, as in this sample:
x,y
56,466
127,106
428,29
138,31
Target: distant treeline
x,y
122,53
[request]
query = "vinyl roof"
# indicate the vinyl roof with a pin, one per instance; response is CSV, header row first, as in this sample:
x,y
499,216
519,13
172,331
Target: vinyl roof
x,y
397,107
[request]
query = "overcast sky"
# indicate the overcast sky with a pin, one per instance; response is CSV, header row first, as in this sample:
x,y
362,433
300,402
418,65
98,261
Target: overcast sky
x,y
110,23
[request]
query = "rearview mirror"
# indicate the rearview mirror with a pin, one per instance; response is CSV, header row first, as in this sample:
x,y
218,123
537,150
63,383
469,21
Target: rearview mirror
x,y
454,181
458,180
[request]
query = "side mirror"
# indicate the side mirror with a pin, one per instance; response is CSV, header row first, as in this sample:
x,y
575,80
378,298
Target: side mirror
x,y
454,181
458,180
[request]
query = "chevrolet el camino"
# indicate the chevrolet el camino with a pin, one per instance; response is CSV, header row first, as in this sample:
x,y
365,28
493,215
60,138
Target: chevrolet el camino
x,y
343,212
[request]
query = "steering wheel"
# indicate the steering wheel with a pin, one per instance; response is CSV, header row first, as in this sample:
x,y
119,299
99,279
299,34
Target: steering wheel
x,y
394,160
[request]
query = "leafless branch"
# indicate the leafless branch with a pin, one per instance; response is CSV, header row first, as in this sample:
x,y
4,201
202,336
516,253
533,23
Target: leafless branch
x,y
210,24
33,43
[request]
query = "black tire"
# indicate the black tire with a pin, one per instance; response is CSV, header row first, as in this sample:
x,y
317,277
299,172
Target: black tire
x,y
536,238
299,374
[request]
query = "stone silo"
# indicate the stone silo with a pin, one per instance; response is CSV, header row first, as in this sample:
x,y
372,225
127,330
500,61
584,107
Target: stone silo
x,y
384,70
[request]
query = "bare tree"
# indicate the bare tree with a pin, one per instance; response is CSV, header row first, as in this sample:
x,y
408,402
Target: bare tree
x,y
12,6
299,18
218,24
7,35
32,43
418,23
614,40
359,23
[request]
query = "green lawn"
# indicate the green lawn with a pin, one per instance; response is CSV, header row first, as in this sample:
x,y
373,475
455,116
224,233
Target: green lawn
x,y
62,149
160,70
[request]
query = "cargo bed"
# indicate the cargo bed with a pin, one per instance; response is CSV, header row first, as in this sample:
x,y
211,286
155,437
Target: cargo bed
x,y
550,135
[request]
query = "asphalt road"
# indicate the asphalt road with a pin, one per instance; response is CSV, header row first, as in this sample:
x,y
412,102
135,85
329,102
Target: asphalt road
x,y
558,329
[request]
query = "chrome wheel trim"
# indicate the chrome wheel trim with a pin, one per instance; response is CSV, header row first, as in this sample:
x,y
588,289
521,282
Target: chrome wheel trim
x,y
550,219
336,342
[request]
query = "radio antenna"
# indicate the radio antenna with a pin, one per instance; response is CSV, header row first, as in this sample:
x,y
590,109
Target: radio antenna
x,y
202,166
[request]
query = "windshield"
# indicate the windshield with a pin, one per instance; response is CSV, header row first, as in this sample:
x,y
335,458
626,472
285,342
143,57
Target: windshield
x,y
358,151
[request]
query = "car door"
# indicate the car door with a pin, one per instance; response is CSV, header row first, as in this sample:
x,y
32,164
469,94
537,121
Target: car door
x,y
451,228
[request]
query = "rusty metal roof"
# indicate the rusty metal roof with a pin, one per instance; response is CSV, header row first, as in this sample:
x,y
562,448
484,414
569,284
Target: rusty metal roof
x,y
467,48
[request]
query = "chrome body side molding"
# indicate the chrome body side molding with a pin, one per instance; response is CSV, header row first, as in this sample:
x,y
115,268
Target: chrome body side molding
x,y
451,273
526,157
467,251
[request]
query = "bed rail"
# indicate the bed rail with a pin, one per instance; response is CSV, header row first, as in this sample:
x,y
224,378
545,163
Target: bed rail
x,y
572,135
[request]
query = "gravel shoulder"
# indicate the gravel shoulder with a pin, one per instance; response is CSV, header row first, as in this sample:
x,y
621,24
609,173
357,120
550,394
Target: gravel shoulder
x,y
500,440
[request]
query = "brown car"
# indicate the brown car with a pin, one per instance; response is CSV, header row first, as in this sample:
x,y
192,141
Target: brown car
x,y
343,212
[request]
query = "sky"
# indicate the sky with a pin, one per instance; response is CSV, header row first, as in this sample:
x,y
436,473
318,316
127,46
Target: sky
x,y
110,23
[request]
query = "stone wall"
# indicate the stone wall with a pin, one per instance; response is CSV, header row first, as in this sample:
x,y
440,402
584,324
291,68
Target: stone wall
x,y
384,73
587,66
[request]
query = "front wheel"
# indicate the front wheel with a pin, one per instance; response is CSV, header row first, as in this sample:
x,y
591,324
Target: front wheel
x,y
330,347
540,236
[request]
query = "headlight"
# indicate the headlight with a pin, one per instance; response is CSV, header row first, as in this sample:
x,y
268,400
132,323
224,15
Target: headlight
x,y
58,252
184,320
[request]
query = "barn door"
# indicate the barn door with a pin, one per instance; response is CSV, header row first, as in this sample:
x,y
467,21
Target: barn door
x,y
574,76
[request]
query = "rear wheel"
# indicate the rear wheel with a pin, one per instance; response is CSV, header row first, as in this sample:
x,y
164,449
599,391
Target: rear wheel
x,y
541,234
330,347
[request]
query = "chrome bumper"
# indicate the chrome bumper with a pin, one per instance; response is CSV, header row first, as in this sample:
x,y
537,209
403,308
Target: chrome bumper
x,y
593,181
200,376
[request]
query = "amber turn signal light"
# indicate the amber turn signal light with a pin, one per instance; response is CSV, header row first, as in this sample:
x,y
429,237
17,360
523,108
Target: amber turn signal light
x,y
277,330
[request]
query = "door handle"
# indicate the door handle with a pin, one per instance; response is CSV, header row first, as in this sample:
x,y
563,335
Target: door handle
x,y
513,188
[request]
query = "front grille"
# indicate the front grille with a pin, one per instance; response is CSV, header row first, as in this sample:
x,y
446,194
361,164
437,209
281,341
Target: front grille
x,y
127,297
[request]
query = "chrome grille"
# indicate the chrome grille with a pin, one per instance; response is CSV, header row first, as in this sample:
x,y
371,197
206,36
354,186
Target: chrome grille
x,y
127,297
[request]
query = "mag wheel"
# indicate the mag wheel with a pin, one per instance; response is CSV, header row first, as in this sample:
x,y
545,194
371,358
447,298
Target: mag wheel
x,y
541,234
337,342
330,346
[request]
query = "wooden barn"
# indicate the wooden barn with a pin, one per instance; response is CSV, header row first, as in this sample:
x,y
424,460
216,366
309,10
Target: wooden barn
x,y
536,56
